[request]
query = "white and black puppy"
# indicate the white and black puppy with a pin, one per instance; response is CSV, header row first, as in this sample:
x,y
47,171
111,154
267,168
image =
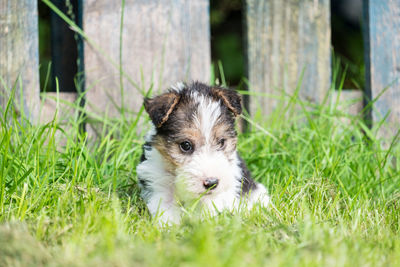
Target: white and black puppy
x,y
190,153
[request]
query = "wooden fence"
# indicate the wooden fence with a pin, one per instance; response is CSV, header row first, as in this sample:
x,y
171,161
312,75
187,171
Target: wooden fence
x,y
165,41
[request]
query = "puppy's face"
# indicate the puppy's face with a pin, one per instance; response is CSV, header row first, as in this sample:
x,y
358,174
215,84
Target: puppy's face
x,y
196,136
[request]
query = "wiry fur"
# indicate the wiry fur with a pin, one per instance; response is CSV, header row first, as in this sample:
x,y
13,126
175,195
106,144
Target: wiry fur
x,y
169,176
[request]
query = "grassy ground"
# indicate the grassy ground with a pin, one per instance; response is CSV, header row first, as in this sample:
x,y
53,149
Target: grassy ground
x,y
335,191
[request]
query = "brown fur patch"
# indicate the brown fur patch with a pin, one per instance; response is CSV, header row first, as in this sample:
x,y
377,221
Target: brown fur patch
x,y
231,99
175,101
169,148
194,135
160,107
224,131
161,145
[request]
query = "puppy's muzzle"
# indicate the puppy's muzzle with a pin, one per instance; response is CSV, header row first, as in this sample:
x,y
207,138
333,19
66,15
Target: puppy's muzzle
x,y
210,183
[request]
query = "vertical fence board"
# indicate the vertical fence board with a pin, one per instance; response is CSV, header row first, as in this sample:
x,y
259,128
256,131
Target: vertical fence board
x,y
283,38
164,41
382,61
19,53
64,111
350,102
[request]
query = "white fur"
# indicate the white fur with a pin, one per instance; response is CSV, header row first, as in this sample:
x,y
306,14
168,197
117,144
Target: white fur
x,y
178,87
206,164
160,201
207,115
150,134
260,195
168,191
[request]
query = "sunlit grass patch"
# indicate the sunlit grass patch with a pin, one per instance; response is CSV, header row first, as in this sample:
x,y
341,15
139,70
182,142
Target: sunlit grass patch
x,y
334,190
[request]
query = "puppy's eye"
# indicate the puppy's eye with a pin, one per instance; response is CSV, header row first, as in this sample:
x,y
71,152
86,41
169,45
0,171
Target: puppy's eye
x,y
186,146
221,143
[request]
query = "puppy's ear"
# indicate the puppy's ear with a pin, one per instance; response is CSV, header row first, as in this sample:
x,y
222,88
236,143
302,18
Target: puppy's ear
x,y
160,107
231,99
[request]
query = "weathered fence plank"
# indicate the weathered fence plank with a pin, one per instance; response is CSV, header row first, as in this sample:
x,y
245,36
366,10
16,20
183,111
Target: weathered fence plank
x,y
382,61
19,53
283,38
350,102
64,111
164,40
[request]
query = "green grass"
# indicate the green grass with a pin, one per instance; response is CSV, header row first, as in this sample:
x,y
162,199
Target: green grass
x,y
334,188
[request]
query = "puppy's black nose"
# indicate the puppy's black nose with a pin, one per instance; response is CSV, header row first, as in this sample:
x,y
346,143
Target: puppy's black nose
x,y
210,183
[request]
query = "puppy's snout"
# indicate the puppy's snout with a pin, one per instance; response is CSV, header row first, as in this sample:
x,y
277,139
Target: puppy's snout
x,y
210,183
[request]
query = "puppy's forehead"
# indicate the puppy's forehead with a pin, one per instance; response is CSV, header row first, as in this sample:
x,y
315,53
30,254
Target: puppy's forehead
x,y
207,114
197,111
197,114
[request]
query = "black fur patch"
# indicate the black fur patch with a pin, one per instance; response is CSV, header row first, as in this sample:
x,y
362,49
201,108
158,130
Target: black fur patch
x,y
144,184
160,107
146,146
246,181
230,98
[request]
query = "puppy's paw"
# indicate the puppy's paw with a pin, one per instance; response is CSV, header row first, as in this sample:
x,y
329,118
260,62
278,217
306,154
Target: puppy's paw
x,y
259,196
168,218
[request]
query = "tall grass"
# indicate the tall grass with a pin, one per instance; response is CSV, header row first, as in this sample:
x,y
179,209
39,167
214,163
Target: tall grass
x,y
335,193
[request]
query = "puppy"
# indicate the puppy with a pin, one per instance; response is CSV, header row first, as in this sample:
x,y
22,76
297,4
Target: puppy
x,y
190,153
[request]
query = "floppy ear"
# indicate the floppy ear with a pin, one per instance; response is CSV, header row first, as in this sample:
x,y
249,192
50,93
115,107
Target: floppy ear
x,y
231,99
160,107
